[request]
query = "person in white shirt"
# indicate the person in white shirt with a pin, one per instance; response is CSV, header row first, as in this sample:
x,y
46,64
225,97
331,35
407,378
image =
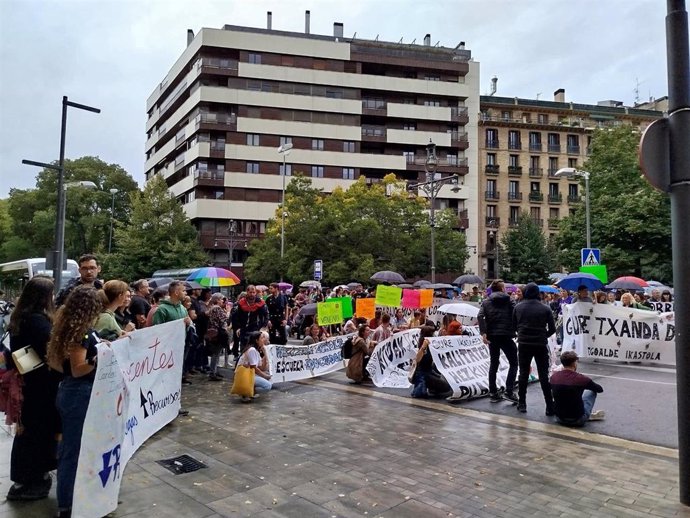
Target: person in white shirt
x,y
251,358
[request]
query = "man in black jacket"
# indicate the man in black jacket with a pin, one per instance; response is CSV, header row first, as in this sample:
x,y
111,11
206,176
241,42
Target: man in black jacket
x,y
534,323
496,326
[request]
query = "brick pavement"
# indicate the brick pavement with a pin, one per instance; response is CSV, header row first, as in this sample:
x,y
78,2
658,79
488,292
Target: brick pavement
x,y
326,448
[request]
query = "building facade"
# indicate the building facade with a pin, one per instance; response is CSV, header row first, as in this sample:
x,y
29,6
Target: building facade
x,y
349,107
522,144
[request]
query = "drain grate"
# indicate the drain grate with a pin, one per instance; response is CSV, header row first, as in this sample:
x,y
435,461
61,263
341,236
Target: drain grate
x,y
181,464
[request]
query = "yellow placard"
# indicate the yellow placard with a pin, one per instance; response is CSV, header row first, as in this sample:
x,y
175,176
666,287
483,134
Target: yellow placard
x,y
426,298
366,308
388,296
329,313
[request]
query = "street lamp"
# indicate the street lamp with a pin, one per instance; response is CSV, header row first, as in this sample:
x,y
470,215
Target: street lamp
x,y
232,229
431,188
569,172
285,151
113,192
493,232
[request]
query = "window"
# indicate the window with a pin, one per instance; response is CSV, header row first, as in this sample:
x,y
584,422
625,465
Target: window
x,y
254,58
491,186
535,213
514,139
513,187
534,186
348,173
218,195
554,139
253,167
573,143
514,160
534,162
553,165
573,191
285,140
409,157
410,126
432,103
553,213
317,171
542,118
514,214
553,189
534,141
253,139
288,169
348,146
492,138
452,159
491,211
432,77
491,159
506,115
317,144
572,162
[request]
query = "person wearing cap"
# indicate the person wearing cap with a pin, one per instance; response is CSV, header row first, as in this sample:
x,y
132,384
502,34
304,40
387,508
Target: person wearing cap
x,y
533,322
574,394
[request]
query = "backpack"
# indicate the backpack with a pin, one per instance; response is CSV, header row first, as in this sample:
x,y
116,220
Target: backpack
x,y
347,349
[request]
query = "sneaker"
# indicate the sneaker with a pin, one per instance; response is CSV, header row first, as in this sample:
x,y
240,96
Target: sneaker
x,y
510,396
597,415
495,398
522,407
29,492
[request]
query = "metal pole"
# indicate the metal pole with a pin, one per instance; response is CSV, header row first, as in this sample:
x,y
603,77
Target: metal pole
x,y
678,69
112,217
433,230
587,216
282,220
60,224
498,273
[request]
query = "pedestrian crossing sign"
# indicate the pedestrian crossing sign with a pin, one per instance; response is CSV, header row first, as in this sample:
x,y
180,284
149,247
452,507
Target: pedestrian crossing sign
x,y
590,256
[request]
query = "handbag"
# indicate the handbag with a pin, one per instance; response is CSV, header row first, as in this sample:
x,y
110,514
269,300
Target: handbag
x,y
243,382
26,360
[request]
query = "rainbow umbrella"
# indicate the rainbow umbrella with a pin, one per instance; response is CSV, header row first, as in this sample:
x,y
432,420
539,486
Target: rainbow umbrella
x,y
214,277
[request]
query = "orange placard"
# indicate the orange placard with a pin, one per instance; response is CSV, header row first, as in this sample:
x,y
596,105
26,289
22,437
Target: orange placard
x,y
366,308
426,298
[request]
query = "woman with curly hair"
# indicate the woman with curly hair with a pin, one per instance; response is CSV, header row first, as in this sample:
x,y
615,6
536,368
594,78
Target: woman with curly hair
x,y
72,350
35,445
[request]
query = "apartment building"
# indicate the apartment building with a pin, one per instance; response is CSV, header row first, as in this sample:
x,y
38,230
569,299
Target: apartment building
x,y
349,107
522,143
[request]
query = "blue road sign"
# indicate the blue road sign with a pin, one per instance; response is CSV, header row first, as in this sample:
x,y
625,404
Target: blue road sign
x,y
318,270
590,256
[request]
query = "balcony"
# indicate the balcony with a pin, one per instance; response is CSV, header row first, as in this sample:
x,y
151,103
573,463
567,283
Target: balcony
x,y
217,149
459,114
573,150
492,169
574,198
493,222
554,148
514,170
538,222
536,196
374,107
492,195
492,144
536,172
219,121
222,63
555,198
374,133
463,219
535,146
514,145
209,178
514,196
459,139
553,223
552,172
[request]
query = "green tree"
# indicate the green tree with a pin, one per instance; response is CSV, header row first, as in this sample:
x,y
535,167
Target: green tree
x,y
32,212
525,252
630,220
158,235
356,232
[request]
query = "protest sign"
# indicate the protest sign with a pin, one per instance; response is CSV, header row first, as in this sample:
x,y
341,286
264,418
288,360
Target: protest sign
x,y
366,308
426,298
292,363
388,295
619,333
136,392
391,360
410,299
329,313
346,303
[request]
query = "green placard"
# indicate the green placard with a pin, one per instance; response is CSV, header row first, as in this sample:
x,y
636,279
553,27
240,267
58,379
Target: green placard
x,y
388,296
329,313
599,270
346,303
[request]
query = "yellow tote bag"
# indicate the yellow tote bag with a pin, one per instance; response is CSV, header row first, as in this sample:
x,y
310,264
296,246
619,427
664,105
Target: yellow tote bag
x,y
243,382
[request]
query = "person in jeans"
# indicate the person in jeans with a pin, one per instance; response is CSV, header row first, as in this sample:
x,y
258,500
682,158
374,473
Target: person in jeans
x,y
574,394
251,358
496,327
72,351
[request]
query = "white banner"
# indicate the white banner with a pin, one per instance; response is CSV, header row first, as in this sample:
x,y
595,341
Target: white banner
x,y
661,307
391,360
618,333
292,363
135,394
464,362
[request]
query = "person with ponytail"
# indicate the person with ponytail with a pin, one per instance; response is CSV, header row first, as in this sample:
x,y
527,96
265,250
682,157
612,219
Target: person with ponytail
x,y
113,296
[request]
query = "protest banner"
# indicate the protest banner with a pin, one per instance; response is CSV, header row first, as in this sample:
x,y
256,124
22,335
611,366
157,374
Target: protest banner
x,y
391,360
366,308
388,295
329,312
136,392
292,363
661,307
619,333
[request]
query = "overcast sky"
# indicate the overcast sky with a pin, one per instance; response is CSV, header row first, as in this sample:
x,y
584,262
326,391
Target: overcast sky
x,y
112,53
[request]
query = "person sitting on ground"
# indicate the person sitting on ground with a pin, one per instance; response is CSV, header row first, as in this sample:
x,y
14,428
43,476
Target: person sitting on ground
x,y
399,322
362,348
251,358
574,394
456,328
384,330
427,379
313,335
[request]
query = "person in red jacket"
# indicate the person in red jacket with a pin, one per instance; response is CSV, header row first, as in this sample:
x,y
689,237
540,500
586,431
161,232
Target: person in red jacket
x,y
574,394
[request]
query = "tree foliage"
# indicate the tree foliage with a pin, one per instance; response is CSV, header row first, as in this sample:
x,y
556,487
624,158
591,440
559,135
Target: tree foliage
x,y
526,255
356,232
28,221
157,235
630,220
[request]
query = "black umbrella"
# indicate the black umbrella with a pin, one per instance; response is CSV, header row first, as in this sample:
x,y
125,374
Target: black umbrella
x,y
308,309
387,276
405,285
162,281
468,278
421,283
353,285
439,286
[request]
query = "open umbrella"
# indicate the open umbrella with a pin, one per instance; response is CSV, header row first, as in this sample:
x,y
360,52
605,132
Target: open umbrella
x,y
387,276
353,285
284,286
188,285
468,278
576,279
311,284
421,283
261,287
627,283
162,281
439,286
641,283
214,277
544,288
308,309
459,308
557,276
405,285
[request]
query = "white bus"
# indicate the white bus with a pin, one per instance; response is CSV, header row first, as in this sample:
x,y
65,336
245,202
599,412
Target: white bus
x,y
14,275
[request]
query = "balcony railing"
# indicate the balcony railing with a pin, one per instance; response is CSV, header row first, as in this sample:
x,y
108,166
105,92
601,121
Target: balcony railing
x,y
458,111
574,198
536,196
492,169
514,170
453,161
493,222
227,64
552,172
370,131
555,198
492,144
536,172
573,150
373,104
514,145
513,222
535,146
492,195
554,148
217,118
553,223
514,196
538,222
458,136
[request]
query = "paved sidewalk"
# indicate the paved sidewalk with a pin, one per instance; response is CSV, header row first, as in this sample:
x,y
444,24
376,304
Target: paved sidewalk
x,y
326,448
